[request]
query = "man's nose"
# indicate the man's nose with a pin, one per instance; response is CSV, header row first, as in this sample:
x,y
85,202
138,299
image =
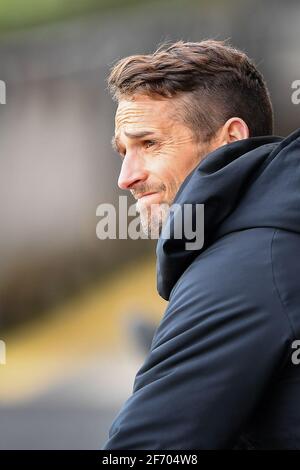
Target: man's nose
x,y
132,172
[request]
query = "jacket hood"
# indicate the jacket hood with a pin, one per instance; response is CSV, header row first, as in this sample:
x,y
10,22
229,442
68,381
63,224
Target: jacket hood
x,y
250,183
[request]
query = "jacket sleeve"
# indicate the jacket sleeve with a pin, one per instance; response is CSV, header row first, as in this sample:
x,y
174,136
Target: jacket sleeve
x,y
213,355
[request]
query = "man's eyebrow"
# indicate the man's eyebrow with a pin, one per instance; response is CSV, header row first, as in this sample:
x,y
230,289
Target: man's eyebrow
x,y
132,135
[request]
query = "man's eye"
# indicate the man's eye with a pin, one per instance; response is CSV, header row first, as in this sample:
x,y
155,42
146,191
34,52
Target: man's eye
x,y
149,143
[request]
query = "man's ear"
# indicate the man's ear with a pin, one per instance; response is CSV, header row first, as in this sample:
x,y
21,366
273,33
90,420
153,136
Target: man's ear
x,y
234,129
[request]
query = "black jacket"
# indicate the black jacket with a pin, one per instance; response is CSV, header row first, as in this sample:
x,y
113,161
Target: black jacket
x,y
220,373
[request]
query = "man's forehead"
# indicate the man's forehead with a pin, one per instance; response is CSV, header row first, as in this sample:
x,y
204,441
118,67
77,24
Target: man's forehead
x,y
142,111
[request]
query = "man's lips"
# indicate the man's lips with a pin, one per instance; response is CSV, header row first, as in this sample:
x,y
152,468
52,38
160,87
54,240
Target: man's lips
x,y
146,194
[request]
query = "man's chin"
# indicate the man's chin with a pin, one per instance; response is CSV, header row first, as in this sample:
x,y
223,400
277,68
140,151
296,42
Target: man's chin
x,y
153,219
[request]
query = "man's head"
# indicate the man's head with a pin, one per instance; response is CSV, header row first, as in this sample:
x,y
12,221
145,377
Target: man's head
x,y
174,107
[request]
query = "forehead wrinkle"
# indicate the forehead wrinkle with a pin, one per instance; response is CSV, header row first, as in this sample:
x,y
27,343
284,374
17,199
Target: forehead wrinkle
x,y
133,112
131,117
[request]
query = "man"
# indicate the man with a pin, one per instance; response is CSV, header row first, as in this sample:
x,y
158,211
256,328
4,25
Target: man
x,y
194,125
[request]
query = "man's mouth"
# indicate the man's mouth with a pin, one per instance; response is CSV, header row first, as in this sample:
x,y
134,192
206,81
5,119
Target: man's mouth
x,y
147,200
146,194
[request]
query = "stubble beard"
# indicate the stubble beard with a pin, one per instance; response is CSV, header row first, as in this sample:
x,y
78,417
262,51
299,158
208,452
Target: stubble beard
x,y
153,218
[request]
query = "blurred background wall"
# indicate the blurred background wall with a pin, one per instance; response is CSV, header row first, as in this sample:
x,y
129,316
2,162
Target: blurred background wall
x,y
76,313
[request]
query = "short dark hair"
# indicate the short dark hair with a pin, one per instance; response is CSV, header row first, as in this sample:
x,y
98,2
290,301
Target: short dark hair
x,y
214,80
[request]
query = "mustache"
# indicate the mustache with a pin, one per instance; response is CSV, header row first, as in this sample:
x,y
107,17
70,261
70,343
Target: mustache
x,y
145,188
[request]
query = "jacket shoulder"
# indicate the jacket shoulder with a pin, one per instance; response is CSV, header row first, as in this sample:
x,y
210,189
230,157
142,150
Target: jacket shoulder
x,y
231,280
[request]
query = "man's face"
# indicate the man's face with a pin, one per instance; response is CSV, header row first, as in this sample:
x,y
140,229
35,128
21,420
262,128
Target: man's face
x,y
157,150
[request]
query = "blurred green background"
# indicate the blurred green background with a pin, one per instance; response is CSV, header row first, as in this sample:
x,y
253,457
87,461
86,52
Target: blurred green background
x,y
77,313
20,14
